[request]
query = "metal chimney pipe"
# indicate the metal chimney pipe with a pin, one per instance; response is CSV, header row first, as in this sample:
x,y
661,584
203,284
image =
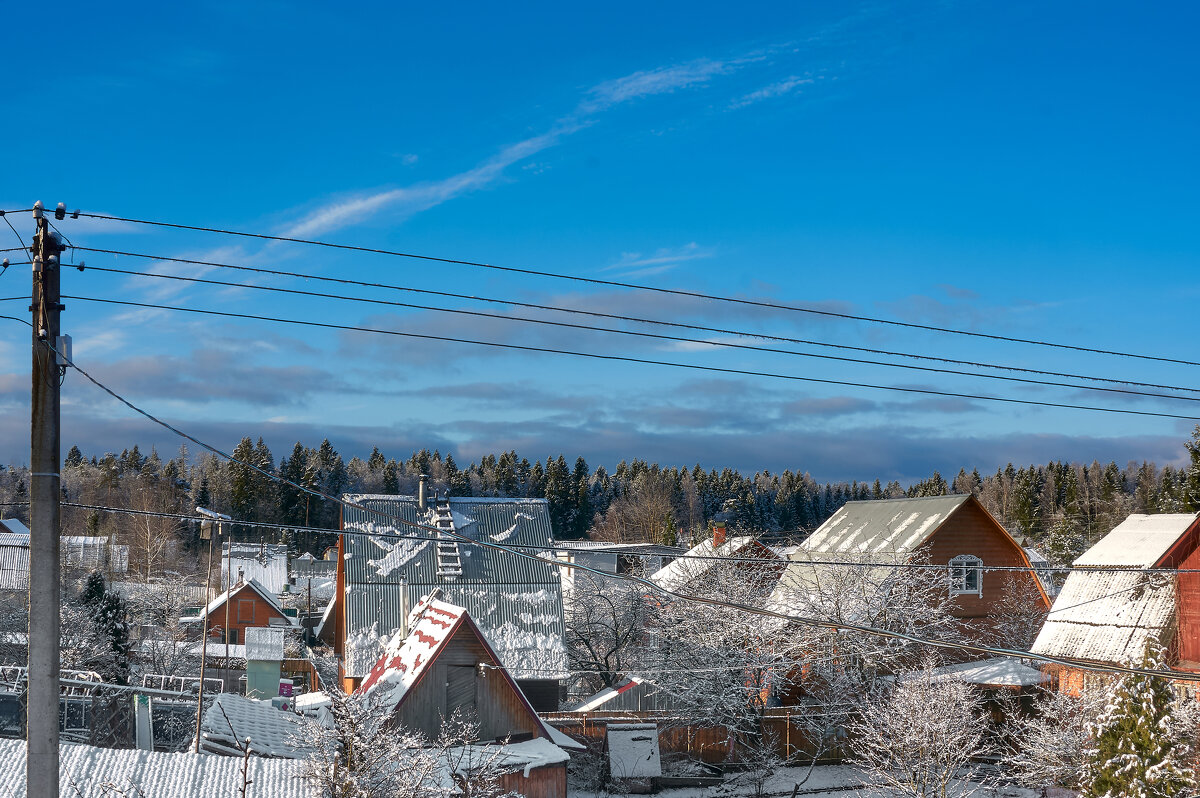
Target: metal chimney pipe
x,y
422,492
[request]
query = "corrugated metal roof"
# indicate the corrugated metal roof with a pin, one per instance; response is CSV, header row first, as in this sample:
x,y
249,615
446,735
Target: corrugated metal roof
x,y
14,561
1139,541
1108,616
516,602
266,564
882,525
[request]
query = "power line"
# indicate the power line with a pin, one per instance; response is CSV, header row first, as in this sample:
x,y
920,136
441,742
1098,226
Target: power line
x,y
629,359
656,336
640,287
613,316
553,549
815,623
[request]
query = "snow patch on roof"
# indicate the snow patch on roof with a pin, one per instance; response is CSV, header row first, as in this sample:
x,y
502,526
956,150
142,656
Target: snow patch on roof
x,y
678,573
398,554
264,644
1139,541
994,672
506,534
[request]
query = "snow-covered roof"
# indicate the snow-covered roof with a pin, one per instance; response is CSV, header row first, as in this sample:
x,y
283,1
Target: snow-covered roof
x,y
90,772
524,756
882,525
264,644
233,719
1108,616
266,563
217,649
1139,541
633,751
405,658
678,573
607,694
994,672
14,526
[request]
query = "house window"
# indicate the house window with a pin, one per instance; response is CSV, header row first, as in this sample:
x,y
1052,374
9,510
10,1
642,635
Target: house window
x,y
966,575
245,611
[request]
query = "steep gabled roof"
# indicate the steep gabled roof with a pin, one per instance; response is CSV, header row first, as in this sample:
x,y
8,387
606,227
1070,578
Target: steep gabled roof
x,y
433,623
1140,541
254,585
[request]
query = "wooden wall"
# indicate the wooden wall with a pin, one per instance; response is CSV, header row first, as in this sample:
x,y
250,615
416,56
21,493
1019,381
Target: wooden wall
x,y
1188,606
971,530
544,782
261,613
499,707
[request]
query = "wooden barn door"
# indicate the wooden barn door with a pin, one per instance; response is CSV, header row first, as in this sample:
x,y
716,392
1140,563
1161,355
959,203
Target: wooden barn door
x,y
460,690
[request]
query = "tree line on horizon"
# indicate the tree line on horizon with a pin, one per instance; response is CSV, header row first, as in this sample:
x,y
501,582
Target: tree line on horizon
x,y
1060,507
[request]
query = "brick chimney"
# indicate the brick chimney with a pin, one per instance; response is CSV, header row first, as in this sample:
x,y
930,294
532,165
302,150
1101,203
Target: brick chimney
x,y
718,535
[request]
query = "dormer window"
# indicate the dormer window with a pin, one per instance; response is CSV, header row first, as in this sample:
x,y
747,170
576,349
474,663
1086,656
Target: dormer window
x,y
966,575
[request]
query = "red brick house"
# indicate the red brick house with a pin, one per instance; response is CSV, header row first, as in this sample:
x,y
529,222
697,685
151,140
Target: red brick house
x,y
1117,600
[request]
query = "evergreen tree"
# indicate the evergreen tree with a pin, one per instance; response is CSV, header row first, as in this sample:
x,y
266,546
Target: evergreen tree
x,y
110,616
74,458
1138,749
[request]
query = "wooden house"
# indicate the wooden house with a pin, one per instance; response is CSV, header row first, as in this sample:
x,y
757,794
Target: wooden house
x,y
951,531
249,605
393,559
1117,600
444,665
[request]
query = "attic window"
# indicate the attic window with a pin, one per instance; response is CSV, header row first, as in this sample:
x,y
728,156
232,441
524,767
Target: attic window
x,y
966,575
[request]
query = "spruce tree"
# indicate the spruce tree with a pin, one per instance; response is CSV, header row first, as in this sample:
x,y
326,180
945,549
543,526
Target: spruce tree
x,y
1138,750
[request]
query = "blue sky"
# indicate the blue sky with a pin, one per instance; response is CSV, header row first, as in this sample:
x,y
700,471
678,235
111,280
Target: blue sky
x,y
1006,168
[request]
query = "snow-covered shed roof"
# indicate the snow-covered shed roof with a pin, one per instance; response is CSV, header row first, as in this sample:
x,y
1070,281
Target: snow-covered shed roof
x,y
515,601
1139,541
14,561
994,672
1108,616
86,771
678,573
881,526
233,719
264,644
266,563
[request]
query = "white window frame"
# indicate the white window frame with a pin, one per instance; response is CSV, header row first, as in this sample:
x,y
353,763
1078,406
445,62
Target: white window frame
x,y
962,568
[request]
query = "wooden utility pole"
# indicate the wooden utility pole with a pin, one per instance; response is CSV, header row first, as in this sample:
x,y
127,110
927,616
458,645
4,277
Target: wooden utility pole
x,y
45,488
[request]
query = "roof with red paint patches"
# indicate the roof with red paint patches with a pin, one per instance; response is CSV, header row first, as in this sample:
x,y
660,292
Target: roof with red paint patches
x,y
432,623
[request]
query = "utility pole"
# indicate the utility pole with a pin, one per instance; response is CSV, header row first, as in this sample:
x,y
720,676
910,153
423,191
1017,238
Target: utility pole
x,y
45,488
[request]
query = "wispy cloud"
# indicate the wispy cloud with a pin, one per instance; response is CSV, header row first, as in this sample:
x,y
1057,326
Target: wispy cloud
x,y
663,80
661,260
410,200
778,89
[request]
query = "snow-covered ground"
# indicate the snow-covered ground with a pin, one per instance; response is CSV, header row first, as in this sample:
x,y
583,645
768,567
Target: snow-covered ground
x,y
831,780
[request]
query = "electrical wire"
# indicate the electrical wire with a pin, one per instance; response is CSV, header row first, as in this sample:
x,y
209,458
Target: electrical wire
x,y
613,316
655,336
641,287
629,359
815,623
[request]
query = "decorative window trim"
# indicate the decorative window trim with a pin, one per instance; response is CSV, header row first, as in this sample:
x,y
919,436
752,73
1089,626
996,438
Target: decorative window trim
x,y
966,575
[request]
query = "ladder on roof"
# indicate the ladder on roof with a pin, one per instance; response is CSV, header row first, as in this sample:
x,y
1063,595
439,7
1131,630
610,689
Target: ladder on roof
x,y
449,560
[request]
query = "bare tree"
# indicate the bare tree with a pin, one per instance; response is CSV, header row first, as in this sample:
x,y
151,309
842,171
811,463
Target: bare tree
x,y
920,737
605,620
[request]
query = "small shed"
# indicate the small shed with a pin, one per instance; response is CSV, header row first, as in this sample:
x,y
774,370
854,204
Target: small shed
x,y
246,605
